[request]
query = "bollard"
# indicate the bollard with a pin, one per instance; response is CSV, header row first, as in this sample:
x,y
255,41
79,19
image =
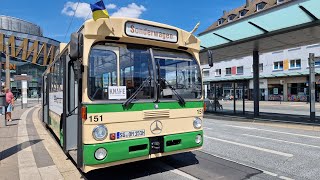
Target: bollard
x,y
3,121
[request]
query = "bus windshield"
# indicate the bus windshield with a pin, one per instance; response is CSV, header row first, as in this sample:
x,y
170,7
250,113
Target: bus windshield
x,y
180,71
131,69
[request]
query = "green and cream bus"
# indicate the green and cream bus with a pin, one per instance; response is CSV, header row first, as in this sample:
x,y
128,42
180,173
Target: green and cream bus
x,y
125,90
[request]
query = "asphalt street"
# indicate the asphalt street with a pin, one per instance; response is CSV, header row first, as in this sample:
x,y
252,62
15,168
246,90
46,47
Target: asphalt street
x,y
234,151
282,152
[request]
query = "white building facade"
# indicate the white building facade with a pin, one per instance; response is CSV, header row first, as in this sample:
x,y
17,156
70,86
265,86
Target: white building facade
x,y
283,75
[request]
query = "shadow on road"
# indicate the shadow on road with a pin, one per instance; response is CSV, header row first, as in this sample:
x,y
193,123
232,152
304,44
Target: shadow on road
x,y
210,167
197,164
137,169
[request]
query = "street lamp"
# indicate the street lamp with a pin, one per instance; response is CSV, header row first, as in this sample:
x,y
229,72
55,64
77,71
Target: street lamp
x,y
7,68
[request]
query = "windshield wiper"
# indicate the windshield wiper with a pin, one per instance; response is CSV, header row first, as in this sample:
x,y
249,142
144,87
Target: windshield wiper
x,y
180,99
131,98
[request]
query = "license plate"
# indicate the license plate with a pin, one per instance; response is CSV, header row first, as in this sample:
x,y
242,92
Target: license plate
x,y
130,134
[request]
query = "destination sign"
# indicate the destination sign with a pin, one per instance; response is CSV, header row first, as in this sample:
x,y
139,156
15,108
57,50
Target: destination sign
x,y
151,32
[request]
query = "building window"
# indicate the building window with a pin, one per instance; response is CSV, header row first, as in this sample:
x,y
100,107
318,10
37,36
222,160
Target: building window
x,y
278,65
218,72
243,13
260,68
296,63
206,73
280,1
260,6
220,21
240,70
231,17
228,71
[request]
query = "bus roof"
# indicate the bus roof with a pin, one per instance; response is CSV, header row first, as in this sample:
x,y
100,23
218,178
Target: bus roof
x,y
141,32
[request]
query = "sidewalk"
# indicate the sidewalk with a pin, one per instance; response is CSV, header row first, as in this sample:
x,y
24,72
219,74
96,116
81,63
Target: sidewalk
x,y
28,151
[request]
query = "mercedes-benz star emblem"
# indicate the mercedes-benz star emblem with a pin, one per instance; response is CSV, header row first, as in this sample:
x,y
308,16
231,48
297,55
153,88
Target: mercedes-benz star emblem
x,y
156,127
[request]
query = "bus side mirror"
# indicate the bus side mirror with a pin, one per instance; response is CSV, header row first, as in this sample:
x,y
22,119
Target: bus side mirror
x,y
76,46
210,58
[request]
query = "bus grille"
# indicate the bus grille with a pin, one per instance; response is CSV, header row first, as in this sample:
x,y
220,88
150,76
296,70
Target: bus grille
x,y
156,114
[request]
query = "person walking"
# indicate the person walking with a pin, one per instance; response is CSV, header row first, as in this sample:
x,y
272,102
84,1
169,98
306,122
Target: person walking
x,y
10,102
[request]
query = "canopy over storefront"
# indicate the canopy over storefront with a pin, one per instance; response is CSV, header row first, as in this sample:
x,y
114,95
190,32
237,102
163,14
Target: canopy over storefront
x,y
291,24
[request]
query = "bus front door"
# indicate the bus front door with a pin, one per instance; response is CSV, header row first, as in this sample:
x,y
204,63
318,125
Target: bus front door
x,y
72,132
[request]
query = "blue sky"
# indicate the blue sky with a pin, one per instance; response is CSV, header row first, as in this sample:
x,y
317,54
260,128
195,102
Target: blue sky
x,y
54,16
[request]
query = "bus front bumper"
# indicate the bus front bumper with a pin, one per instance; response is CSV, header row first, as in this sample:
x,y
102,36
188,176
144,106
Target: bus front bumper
x,y
121,152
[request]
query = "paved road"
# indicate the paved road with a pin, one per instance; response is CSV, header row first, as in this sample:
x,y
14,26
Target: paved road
x,y
235,150
281,152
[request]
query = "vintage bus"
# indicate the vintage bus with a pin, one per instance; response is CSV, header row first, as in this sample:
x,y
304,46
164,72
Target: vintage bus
x,y
124,90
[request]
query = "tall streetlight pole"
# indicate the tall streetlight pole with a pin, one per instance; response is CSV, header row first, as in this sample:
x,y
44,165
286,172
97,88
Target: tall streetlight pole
x,y
7,66
1,71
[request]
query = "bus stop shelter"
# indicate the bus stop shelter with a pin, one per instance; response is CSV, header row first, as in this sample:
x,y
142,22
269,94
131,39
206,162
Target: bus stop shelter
x,y
292,24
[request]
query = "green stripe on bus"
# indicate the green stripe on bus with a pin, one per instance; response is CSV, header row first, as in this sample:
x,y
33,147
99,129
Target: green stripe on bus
x,y
120,150
117,151
184,141
104,108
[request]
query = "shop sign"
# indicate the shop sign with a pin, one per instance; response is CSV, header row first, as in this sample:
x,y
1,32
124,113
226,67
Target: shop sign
x,y
22,78
298,98
275,98
12,67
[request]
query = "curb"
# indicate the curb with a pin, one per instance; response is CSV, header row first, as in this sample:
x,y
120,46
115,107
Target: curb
x,y
245,119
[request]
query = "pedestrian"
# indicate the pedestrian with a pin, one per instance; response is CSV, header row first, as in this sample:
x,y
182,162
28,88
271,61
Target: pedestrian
x,y
9,103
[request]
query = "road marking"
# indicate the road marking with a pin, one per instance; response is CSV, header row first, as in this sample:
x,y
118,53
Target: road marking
x,y
280,132
252,147
265,172
176,171
207,128
240,127
285,178
281,140
297,105
270,173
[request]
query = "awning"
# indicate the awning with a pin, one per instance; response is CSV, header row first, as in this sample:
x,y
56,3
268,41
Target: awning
x,y
292,24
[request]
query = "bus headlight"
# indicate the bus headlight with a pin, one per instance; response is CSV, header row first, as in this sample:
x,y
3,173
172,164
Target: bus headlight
x,y
100,153
197,123
198,139
100,132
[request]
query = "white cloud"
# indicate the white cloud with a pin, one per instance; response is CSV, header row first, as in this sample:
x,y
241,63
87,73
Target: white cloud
x,y
84,11
111,6
132,10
